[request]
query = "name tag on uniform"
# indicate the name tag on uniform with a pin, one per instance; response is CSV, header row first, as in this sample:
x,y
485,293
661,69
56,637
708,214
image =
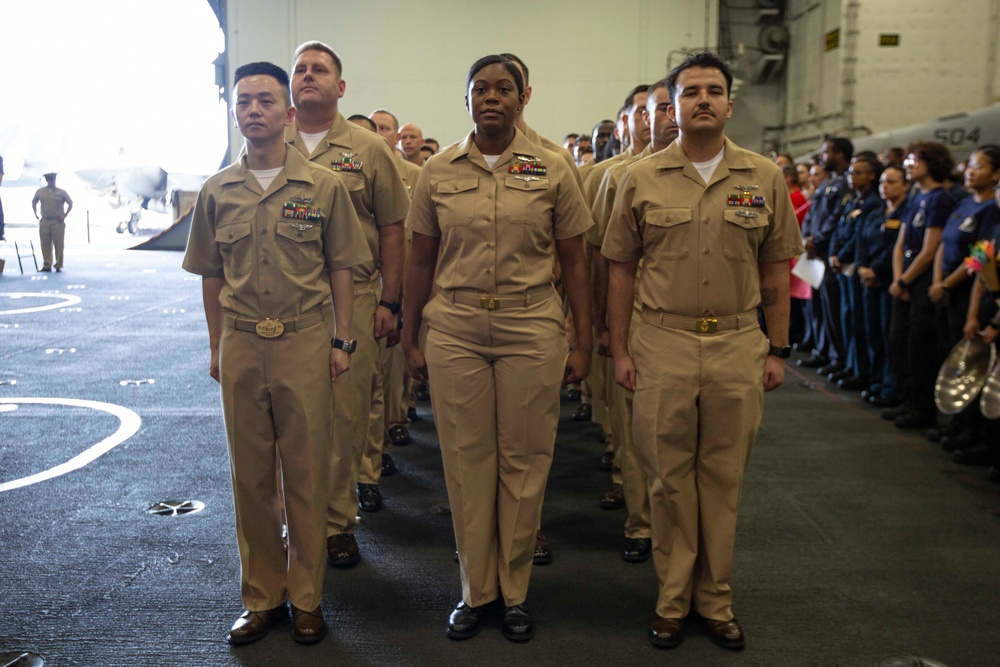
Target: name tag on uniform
x,y
891,224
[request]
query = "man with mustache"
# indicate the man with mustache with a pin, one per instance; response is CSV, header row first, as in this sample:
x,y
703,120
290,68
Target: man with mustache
x,y
714,229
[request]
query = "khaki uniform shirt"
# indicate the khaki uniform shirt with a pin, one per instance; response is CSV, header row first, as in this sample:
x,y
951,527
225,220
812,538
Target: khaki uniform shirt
x,y
275,249
595,175
497,228
700,245
53,202
368,168
409,172
605,197
567,157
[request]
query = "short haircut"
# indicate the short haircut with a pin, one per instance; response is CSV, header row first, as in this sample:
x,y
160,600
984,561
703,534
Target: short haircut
x,y
571,135
790,171
702,59
586,149
788,157
630,100
507,64
427,147
936,156
610,122
896,167
391,115
316,45
870,159
354,118
431,140
662,83
265,69
841,145
520,63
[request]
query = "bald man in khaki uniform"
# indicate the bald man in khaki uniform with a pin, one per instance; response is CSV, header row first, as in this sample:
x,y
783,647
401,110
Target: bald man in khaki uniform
x,y
367,167
56,205
274,237
714,228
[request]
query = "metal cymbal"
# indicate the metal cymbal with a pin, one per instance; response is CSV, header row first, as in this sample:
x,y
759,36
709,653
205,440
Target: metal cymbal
x,y
963,375
989,402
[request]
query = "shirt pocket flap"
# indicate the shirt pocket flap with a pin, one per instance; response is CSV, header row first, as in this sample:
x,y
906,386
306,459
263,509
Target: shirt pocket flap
x,y
299,232
668,217
526,182
747,218
353,181
455,185
233,232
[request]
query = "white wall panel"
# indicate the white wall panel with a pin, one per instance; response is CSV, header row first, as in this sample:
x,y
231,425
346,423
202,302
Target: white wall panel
x,y
412,58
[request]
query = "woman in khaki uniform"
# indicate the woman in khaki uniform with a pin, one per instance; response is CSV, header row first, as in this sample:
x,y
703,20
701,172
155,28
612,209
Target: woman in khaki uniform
x,y
485,216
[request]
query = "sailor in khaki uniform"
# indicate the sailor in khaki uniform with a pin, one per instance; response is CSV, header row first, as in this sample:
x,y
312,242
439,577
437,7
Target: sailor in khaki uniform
x,y
380,200
632,478
55,205
714,228
273,237
485,217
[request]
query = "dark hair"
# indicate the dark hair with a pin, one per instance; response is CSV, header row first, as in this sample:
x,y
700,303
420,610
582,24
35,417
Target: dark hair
x,y
430,148
992,153
315,45
630,100
586,149
936,156
265,69
430,140
367,121
486,61
702,59
788,157
896,167
520,63
662,83
870,159
790,171
574,135
842,145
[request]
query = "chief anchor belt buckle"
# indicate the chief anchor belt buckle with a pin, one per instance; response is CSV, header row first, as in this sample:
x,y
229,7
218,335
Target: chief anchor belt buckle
x,y
269,328
706,325
489,302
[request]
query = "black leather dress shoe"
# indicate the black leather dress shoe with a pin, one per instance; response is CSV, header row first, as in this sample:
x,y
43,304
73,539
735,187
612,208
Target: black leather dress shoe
x,y
727,634
308,627
914,419
666,632
399,435
369,497
464,621
543,550
388,466
853,383
574,395
829,368
885,401
891,414
342,550
613,498
583,413
637,549
422,393
411,414
517,624
607,460
814,361
251,626
976,455
955,441
837,376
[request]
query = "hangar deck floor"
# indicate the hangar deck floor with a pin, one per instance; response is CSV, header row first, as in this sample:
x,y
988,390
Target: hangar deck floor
x,y
857,541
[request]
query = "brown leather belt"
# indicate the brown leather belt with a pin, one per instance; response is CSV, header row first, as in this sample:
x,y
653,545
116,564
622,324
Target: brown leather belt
x,y
266,327
700,325
496,301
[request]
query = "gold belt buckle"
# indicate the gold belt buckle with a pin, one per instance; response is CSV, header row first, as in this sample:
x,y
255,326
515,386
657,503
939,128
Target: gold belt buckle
x,y
707,325
489,302
268,328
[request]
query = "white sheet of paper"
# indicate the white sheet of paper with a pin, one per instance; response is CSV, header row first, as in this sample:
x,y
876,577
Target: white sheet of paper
x,y
810,270
848,269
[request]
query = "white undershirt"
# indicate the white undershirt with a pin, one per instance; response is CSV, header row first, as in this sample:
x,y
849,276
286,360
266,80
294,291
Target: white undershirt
x,y
312,140
491,160
266,176
706,169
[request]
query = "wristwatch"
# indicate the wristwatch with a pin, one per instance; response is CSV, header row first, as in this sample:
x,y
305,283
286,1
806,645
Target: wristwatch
x,y
782,352
347,346
392,306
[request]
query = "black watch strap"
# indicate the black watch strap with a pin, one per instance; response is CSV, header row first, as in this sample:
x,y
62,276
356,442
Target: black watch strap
x,y
392,306
347,346
782,352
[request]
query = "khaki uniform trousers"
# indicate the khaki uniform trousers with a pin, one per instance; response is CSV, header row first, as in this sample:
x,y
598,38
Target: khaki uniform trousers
x,y
352,408
631,472
495,378
396,391
697,407
276,402
595,393
52,234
